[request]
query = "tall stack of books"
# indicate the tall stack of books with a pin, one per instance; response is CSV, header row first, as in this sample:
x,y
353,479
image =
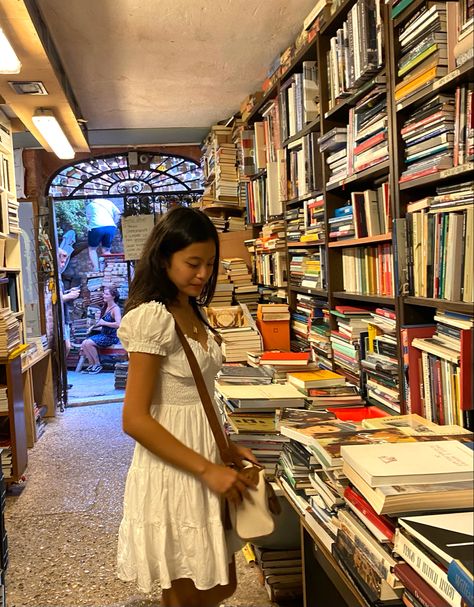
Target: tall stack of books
x,y
428,137
423,42
223,293
348,340
9,332
319,329
380,363
245,292
3,399
219,164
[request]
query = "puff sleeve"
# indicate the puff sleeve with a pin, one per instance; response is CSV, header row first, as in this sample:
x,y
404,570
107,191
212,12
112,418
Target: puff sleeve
x,y
148,328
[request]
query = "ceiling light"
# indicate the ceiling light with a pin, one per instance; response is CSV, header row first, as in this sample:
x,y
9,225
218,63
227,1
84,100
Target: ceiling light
x,y
9,62
51,130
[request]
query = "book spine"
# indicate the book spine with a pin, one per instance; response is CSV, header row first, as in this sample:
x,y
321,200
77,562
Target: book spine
x,y
462,581
424,566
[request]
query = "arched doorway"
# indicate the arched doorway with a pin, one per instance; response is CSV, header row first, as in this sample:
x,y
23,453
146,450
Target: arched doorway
x,y
139,183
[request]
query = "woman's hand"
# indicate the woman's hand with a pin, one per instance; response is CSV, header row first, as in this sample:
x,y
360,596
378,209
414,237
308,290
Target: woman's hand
x,y
239,453
226,481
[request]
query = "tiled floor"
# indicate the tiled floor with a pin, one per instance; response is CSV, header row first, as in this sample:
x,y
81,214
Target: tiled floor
x,y
62,528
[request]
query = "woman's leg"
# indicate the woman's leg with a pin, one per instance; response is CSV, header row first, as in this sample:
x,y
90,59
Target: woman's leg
x,y
89,349
183,592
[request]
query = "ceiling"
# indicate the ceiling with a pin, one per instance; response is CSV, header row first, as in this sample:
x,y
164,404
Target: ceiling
x,y
167,64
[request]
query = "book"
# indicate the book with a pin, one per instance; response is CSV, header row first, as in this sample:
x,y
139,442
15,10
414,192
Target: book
x,y
448,535
316,379
428,569
437,461
272,395
461,576
417,586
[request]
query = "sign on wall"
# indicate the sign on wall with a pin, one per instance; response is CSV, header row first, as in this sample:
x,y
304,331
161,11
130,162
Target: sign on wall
x,y
135,231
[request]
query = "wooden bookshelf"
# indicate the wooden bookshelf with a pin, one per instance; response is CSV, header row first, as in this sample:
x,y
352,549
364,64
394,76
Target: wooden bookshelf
x,y
355,242
309,128
441,304
381,299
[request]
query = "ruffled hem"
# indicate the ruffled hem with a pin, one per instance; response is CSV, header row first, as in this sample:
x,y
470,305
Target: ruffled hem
x,y
166,552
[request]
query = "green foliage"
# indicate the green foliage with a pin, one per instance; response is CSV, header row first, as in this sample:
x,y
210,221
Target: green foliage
x,y
71,215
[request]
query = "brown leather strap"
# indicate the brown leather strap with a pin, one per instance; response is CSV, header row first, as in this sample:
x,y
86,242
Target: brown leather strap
x,y
209,409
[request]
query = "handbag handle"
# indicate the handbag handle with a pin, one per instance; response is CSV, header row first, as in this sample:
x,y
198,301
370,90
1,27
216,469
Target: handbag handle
x,y
209,409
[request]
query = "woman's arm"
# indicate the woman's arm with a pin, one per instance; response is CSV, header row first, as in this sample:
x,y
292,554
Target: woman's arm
x,y
115,324
138,423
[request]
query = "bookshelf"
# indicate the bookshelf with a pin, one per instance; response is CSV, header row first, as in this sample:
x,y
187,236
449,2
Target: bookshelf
x,y
12,420
366,79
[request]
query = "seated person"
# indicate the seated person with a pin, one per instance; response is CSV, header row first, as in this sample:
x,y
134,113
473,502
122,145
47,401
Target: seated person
x,y
108,324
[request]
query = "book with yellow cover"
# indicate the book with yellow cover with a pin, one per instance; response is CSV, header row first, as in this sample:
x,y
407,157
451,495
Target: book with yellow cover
x,y
321,378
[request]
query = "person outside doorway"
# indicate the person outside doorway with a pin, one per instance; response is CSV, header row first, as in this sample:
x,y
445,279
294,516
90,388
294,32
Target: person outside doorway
x,y
102,219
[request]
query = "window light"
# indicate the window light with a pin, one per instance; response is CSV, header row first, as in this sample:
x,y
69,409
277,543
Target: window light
x,y
9,62
51,130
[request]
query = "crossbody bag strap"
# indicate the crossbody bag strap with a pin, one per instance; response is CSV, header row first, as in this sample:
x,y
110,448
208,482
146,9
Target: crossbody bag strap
x,y
209,409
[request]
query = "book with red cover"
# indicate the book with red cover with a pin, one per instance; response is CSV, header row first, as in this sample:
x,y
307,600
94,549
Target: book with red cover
x,y
387,313
280,358
357,414
352,310
382,523
411,365
418,587
465,381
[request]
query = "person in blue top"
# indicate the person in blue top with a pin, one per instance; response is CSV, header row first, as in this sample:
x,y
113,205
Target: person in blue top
x,y
109,322
102,219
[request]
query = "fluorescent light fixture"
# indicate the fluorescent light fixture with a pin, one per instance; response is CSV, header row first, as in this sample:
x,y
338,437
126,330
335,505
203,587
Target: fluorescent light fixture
x,y
51,130
9,62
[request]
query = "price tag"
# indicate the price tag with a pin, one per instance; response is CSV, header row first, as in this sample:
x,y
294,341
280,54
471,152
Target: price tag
x,y
451,76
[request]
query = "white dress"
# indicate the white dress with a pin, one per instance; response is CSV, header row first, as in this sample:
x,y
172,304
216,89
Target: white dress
x,y
172,526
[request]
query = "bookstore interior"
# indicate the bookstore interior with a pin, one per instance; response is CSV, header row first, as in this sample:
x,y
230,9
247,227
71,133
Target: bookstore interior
x,y
342,191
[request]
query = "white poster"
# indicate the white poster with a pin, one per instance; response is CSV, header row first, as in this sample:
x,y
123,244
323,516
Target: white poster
x,y
135,231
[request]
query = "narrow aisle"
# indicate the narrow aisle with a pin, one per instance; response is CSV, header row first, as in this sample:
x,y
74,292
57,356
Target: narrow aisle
x,y
62,528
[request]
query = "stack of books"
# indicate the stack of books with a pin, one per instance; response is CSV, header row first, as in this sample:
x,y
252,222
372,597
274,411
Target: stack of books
x,y
423,43
9,332
341,226
235,224
245,292
348,341
335,143
3,399
314,228
279,363
223,293
295,224
7,464
367,130
250,411
120,375
308,322
425,546
226,173
428,137
324,388
238,331
380,363
319,329
281,573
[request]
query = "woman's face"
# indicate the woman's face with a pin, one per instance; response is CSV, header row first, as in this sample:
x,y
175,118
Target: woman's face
x,y
107,295
190,269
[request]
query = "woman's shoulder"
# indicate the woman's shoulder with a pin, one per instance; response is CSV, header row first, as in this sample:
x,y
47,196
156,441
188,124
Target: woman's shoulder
x,y
149,322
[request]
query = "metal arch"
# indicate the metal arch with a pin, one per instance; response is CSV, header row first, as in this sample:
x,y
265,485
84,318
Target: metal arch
x,y
122,173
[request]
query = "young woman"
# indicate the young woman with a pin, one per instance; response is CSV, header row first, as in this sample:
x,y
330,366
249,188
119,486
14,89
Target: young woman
x,y
108,324
172,528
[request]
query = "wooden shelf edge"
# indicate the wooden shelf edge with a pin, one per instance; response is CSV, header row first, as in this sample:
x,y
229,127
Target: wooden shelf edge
x,y
371,173
355,242
309,291
384,299
304,245
442,304
304,131
464,169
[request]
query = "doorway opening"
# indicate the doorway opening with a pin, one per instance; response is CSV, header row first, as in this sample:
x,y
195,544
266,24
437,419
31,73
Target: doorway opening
x,y
139,185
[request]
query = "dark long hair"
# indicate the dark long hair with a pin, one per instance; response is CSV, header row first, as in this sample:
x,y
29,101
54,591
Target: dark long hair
x,y
176,230
115,294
